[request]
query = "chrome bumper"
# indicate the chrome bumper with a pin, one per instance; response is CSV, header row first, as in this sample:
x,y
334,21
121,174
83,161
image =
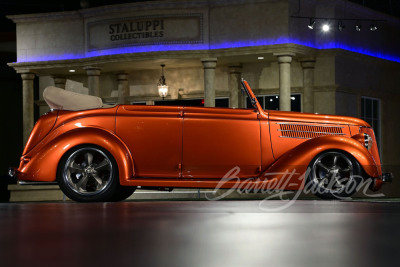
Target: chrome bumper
x,y
13,172
387,177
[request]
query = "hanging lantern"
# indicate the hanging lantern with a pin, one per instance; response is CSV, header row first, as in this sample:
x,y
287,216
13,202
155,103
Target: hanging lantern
x,y
162,85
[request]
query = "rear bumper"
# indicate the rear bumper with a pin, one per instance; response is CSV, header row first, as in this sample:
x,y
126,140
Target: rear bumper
x,y
13,172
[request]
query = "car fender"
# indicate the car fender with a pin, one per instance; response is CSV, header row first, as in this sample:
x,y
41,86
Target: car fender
x,y
290,169
43,162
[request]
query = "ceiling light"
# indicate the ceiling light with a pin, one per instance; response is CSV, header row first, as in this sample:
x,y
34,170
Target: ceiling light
x,y
71,70
311,24
358,27
373,27
341,26
260,58
326,27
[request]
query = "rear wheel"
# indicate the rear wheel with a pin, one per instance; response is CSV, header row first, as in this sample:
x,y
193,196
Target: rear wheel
x,y
334,175
88,173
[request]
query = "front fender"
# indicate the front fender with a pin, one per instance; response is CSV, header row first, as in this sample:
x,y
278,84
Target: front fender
x,y
41,163
297,160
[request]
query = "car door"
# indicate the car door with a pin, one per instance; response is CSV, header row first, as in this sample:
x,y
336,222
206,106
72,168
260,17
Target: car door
x,y
153,135
216,140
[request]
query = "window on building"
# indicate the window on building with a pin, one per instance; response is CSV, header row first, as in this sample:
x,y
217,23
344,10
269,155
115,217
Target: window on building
x,y
371,113
271,102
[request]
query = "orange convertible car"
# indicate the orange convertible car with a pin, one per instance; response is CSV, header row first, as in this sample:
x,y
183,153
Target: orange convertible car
x,y
102,153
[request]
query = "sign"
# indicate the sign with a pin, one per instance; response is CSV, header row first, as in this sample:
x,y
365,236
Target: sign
x,y
149,30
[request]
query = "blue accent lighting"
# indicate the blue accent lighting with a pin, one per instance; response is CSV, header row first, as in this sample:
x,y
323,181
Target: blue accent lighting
x,y
222,45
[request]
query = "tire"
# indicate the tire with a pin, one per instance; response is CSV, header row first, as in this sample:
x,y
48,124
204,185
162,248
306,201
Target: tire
x,y
123,193
334,175
88,173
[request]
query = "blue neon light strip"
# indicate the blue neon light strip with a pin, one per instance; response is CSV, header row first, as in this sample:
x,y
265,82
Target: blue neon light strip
x,y
225,45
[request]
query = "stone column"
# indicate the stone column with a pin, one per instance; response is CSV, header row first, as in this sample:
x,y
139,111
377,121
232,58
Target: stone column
x,y
284,60
209,65
123,88
27,105
59,81
308,65
93,74
236,98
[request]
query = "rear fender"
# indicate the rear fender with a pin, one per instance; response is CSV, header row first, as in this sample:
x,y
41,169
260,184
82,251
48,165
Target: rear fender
x,y
290,168
43,162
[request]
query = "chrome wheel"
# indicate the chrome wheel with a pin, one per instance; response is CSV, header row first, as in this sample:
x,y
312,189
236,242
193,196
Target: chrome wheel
x,y
334,174
88,171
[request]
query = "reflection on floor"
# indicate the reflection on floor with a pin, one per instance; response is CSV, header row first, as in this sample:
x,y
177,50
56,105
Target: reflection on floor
x,y
200,233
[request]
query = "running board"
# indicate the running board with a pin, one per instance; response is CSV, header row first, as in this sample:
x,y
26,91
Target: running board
x,y
36,183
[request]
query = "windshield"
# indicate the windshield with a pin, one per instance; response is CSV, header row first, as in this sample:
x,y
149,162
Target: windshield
x,y
252,99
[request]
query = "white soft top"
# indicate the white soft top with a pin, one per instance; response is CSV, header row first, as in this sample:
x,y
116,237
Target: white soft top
x,y
58,98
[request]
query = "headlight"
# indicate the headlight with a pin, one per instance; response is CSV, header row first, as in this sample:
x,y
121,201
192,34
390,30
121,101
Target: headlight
x,y
367,141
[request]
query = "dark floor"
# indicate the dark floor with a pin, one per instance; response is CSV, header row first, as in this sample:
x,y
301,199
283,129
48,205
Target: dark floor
x,y
201,233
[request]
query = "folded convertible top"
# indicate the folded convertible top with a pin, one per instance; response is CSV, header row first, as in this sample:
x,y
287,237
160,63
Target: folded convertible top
x,y
58,98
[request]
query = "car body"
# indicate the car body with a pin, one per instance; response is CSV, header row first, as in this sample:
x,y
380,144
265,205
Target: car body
x,y
103,154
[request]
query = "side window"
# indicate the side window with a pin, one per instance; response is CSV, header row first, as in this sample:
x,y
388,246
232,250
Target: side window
x,y
371,113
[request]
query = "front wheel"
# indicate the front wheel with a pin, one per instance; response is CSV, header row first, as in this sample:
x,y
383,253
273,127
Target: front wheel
x,y
334,175
88,173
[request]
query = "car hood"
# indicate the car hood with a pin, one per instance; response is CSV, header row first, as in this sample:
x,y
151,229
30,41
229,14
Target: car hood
x,y
289,116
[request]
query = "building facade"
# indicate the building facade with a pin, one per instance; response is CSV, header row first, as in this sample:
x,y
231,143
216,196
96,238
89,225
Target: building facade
x,y
115,52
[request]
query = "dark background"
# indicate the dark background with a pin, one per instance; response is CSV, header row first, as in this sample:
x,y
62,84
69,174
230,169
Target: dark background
x,y
11,84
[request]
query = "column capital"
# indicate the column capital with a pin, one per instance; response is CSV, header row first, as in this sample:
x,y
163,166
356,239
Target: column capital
x,y
307,63
92,71
122,76
209,63
59,79
284,57
28,76
235,69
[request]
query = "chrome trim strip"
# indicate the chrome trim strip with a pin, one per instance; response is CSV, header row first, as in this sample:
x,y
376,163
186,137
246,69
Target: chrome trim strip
x,y
310,132
36,183
297,137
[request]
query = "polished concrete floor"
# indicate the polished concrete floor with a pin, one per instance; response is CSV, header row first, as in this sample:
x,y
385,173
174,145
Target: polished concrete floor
x,y
201,233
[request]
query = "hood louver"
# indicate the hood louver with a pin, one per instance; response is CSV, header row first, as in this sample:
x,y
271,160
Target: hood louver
x,y
307,131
